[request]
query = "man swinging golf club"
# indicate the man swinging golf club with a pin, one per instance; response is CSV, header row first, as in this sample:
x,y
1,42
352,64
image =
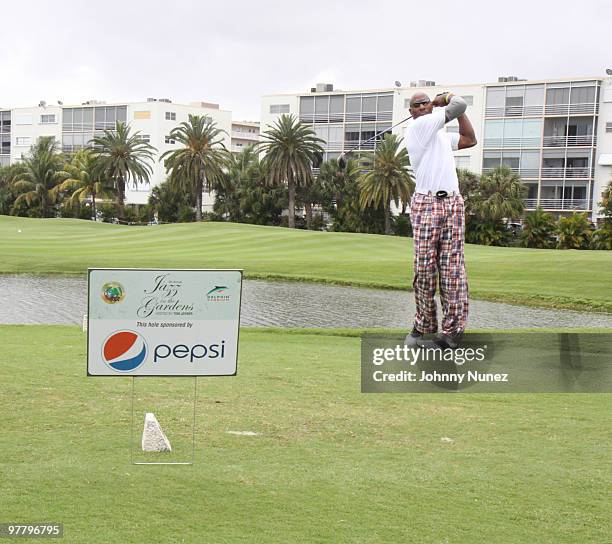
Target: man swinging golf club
x,y
437,216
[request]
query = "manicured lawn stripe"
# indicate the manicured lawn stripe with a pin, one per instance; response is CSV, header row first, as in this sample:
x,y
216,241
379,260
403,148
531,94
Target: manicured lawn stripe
x,y
566,279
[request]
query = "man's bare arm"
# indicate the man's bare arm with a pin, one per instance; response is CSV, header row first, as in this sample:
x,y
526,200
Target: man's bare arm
x,y
455,107
467,137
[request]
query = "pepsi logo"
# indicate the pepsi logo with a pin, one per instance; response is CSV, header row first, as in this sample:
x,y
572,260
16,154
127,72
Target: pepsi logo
x,y
124,351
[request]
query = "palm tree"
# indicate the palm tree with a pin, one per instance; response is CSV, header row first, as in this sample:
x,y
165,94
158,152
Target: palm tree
x,y
8,193
502,193
80,180
291,149
334,180
602,237
38,177
389,179
538,229
122,157
469,187
200,162
574,231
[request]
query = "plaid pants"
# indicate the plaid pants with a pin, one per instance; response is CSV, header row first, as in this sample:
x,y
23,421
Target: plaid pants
x,y
438,227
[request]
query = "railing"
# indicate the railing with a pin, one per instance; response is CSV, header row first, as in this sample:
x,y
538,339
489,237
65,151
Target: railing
x,y
514,111
322,117
334,146
569,109
523,172
350,144
369,117
569,172
245,135
561,204
569,141
511,142
548,109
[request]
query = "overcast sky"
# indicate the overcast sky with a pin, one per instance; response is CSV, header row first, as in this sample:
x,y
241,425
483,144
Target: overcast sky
x,y
234,51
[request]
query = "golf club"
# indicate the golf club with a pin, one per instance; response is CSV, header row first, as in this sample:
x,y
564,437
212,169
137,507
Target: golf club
x,y
343,156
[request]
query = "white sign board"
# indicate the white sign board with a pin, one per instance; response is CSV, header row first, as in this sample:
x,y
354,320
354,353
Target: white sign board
x,y
147,322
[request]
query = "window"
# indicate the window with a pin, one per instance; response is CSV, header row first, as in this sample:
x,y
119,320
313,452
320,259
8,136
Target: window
x,y
306,105
5,143
557,95
496,97
368,104
385,103
493,133
469,100
514,97
279,108
352,133
583,95
5,121
88,114
144,137
491,159
462,162
121,112
169,140
322,105
322,132
47,119
511,159
532,133
170,116
23,140
335,134
608,126
534,95
530,163
353,104
336,104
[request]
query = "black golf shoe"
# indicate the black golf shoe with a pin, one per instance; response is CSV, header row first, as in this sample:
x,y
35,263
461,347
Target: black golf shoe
x,y
413,338
446,341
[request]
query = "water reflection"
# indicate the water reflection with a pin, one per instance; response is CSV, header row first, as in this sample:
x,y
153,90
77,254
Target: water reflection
x,y
61,300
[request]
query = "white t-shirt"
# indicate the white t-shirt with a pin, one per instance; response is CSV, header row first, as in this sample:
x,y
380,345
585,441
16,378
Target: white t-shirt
x,y
430,149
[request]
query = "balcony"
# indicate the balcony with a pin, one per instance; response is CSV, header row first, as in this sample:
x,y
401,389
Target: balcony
x,y
245,135
322,117
567,172
523,172
589,108
497,143
514,111
558,204
570,141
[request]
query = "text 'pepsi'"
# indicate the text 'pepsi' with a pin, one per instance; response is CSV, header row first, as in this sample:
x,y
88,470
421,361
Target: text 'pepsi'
x,y
196,351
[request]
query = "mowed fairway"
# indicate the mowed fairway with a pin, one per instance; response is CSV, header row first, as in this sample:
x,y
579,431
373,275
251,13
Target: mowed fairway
x,y
570,279
329,464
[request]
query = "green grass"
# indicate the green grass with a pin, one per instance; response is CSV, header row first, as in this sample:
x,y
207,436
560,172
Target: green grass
x,y
330,465
564,279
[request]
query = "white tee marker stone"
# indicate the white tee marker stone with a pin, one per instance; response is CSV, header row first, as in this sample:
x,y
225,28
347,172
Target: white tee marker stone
x,y
153,438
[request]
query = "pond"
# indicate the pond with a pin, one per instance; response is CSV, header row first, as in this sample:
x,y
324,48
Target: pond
x,y
63,300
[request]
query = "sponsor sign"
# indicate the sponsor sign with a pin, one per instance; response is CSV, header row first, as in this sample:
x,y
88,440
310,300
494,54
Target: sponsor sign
x,y
151,322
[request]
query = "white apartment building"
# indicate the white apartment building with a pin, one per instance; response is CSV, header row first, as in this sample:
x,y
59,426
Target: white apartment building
x,y
557,134
244,134
74,126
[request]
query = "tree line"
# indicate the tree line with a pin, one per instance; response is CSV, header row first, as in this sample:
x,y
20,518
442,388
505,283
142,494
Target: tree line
x,y
282,172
